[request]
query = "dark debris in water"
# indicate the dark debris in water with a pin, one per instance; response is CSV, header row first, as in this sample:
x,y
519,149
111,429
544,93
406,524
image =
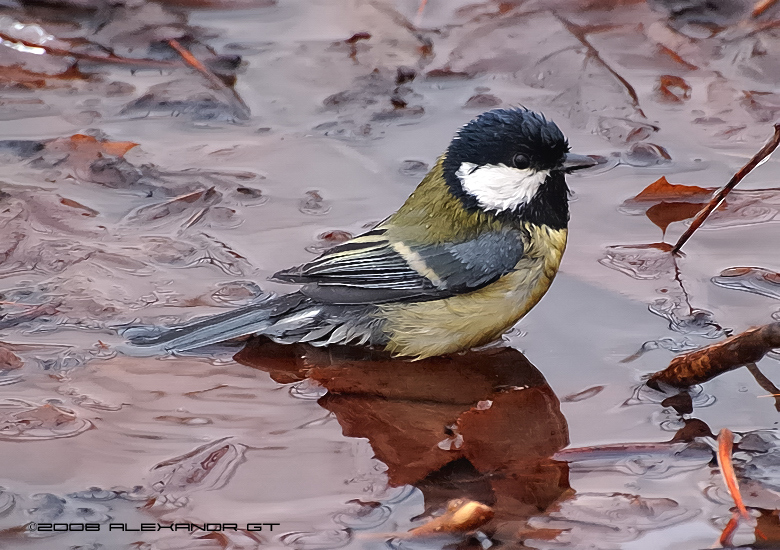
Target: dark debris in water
x,y
182,98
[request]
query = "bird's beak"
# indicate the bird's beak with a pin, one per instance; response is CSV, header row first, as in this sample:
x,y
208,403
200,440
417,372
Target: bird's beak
x,y
572,162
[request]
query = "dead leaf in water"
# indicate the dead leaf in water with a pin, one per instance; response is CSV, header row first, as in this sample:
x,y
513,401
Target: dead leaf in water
x,y
756,280
24,421
666,203
661,190
86,211
16,77
672,89
90,147
9,360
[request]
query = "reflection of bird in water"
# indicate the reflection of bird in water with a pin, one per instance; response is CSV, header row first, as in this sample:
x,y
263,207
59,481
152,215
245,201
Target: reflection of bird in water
x,y
480,426
485,427
469,253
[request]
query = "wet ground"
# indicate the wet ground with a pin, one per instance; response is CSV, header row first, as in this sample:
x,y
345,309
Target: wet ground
x,y
134,189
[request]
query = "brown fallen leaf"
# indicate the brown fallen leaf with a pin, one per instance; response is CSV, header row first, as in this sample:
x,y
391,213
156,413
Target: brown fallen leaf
x,y
88,147
707,363
672,89
756,280
15,77
86,210
46,416
461,516
661,190
666,203
9,360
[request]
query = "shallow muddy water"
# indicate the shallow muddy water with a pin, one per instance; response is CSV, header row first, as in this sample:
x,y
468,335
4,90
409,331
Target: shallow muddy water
x,y
134,190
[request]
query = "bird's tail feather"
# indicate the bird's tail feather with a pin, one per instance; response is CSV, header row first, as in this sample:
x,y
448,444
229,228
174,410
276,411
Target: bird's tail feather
x,y
251,319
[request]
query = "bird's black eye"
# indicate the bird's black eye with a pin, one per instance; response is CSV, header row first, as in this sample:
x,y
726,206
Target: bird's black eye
x,y
521,161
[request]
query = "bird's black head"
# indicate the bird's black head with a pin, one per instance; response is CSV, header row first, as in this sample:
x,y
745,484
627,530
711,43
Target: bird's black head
x,y
510,162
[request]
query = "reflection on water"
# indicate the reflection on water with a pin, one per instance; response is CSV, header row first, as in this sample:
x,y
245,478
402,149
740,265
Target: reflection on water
x,y
481,425
409,442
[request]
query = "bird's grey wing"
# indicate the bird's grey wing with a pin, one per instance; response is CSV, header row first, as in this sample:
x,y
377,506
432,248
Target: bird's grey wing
x,y
373,269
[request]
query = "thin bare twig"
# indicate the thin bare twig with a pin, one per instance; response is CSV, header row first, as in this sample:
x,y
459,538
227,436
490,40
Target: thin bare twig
x,y
678,278
765,383
110,58
239,107
580,34
761,6
716,200
758,29
676,57
419,15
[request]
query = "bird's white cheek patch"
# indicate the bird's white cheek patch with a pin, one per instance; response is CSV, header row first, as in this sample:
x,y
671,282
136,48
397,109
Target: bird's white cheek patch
x,y
500,187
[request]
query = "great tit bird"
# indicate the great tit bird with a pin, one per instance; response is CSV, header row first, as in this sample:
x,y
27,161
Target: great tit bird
x,y
469,253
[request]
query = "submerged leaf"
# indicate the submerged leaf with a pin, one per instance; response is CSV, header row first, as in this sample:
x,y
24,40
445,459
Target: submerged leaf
x,y
756,280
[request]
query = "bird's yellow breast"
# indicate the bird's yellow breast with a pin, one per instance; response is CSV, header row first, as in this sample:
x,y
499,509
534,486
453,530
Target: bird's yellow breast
x,y
437,327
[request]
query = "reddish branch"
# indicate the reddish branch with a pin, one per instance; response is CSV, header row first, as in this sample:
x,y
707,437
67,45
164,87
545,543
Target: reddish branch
x,y
716,200
420,11
761,6
706,363
109,58
765,383
240,108
725,448
581,34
